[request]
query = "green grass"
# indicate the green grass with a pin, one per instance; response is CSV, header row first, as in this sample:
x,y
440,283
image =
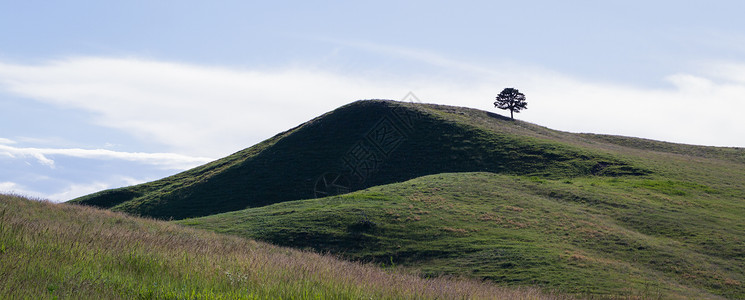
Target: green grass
x,y
59,251
623,236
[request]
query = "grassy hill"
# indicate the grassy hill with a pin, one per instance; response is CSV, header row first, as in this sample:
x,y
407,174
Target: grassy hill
x,y
458,191
59,251
363,144
587,235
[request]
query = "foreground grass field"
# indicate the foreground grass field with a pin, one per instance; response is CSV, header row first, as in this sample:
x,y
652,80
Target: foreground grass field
x,y
59,251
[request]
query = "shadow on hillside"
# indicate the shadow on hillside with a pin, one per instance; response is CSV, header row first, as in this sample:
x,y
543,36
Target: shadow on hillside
x,y
497,116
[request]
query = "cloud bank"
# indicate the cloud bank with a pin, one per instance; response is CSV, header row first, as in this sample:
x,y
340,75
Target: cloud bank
x,y
35,172
195,110
171,161
70,191
213,111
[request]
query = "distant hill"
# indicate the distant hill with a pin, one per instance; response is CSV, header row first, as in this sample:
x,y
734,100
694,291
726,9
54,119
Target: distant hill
x,y
363,144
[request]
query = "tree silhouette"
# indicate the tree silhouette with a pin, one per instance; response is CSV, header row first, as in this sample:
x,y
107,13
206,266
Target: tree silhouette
x,y
512,99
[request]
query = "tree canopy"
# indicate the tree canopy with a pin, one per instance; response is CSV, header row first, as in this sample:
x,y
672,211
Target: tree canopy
x,y
512,99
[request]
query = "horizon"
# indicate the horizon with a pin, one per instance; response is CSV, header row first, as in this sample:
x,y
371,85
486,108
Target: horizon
x,y
99,95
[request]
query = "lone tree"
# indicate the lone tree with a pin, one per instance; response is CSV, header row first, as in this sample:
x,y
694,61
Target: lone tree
x,y
512,99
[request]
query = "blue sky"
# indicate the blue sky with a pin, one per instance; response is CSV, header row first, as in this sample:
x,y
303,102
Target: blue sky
x,y
102,94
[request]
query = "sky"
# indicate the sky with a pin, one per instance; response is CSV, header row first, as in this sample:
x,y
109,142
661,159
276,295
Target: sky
x,y
105,94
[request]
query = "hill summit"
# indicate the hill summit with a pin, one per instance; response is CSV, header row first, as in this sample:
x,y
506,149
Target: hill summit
x,y
359,145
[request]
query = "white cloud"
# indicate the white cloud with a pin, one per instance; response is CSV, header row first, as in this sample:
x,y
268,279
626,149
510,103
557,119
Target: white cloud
x,y
214,111
169,161
4,141
8,187
70,190
193,109
76,190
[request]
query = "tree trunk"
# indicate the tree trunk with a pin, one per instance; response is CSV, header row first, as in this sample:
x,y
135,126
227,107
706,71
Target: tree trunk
x,y
511,116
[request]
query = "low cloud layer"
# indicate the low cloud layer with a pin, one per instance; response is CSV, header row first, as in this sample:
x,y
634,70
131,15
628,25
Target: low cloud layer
x,y
70,191
64,174
213,111
169,161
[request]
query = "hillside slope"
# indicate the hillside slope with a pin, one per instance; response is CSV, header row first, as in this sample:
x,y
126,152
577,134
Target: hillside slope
x,y
58,251
624,236
363,144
